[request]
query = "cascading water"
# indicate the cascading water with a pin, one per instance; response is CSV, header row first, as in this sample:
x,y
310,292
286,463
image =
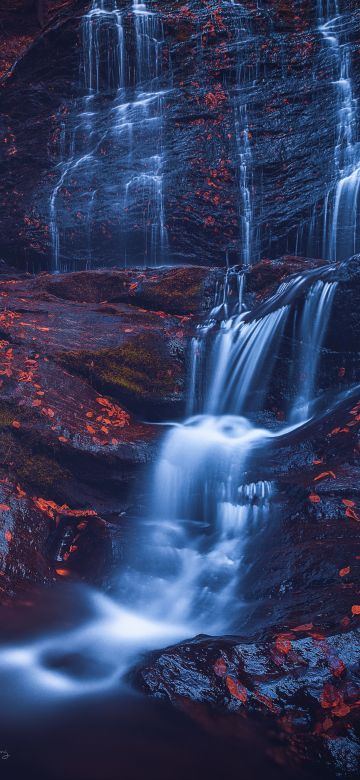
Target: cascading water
x,y
243,136
111,146
211,493
210,498
334,233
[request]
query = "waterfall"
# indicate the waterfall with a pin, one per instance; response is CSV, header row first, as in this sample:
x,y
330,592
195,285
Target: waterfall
x,y
334,234
209,496
314,321
110,183
243,136
340,227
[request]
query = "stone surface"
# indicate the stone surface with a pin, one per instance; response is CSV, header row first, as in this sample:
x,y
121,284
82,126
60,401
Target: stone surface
x,y
85,362
291,113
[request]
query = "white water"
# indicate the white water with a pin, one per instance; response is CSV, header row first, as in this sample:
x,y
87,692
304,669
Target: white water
x,y
338,225
243,136
210,500
111,171
210,496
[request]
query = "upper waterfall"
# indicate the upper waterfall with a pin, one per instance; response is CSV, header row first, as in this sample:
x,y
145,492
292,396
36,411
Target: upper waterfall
x,y
111,146
333,232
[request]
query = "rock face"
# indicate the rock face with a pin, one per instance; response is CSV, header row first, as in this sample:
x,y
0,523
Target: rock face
x,y
248,116
84,359
301,688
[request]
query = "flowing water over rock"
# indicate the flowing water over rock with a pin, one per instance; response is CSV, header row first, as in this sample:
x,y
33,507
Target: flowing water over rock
x,y
210,494
111,143
334,234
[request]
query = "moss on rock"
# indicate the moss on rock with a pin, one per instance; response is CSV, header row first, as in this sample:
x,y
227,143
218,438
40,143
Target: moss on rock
x,y
144,368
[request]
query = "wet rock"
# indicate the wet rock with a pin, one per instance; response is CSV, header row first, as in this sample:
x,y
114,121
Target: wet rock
x,y
284,77
73,371
300,685
23,537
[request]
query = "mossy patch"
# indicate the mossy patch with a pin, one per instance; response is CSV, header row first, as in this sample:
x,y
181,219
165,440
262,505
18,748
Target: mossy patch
x,y
30,468
142,367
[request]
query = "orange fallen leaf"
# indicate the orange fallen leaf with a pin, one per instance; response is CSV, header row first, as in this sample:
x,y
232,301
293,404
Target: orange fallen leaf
x,y
304,627
314,498
8,536
347,502
355,609
63,439
4,508
37,402
103,401
16,424
353,516
90,429
325,474
63,572
236,689
343,572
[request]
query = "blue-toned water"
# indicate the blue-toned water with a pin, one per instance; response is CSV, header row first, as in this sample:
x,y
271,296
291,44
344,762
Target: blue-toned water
x,y
109,186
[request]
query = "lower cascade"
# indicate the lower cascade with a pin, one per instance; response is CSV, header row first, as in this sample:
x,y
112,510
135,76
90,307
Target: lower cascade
x,y
211,495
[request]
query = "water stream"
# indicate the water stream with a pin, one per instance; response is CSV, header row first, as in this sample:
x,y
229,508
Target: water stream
x,y
333,233
111,145
210,494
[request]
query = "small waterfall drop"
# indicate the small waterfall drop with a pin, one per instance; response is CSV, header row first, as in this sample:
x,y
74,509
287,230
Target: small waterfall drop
x,y
210,498
110,179
243,136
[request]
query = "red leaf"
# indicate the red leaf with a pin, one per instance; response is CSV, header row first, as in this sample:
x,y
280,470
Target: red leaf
x,y
236,689
353,516
343,572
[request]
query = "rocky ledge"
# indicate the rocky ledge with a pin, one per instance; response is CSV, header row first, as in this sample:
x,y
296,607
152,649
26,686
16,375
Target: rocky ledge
x,y
87,362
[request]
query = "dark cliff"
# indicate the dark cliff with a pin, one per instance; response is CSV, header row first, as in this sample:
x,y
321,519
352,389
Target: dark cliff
x,y
247,106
